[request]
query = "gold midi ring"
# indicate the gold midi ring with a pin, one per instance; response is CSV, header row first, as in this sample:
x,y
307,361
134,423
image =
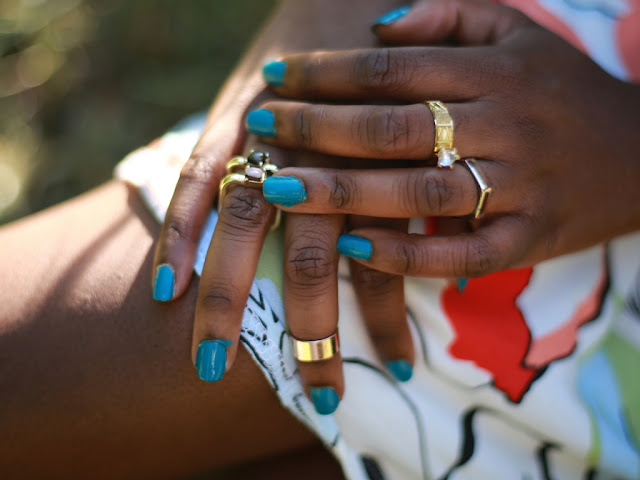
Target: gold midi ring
x,y
484,190
443,146
251,171
315,350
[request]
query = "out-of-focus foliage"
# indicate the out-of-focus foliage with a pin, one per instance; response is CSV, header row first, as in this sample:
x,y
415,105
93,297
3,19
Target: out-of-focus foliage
x,y
83,82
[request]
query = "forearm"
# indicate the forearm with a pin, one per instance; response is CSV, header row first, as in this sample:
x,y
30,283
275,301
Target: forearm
x,y
95,377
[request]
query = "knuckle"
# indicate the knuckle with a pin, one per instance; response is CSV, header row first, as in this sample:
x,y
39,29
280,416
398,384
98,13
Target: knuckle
x,y
479,257
244,209
198,170
344,192
407,258
219,297
303,132
310,74
373,281
380,69
429,194
311,261
511,70
176,228
385,335
385,129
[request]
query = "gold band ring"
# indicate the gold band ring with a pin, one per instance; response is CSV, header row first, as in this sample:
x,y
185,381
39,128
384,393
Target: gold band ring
x,y
251,171
484,190
443,146
315,350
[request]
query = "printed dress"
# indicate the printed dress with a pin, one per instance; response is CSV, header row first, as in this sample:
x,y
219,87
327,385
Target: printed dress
x,y
524,374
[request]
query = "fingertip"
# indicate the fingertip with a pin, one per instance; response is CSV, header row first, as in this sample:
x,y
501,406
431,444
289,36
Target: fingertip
x,y
325,399
286,191
401,370
390,17
261,122
273,72
355,246
211,359
164,283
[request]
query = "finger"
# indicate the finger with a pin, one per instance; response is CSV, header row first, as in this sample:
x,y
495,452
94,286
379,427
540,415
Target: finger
x,y
381,299
374,131
465,22
389,193
497,244
229,270
311,299
410,74
189,209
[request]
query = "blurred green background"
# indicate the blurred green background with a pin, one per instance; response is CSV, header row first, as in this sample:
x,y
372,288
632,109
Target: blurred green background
x,y
84,82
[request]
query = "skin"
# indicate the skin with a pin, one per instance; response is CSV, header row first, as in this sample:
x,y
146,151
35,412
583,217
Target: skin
x,y
310,277
548,199
96,379
538,151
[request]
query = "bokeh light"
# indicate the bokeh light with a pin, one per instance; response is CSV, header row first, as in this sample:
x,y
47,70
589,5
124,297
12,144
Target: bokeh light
x,y
83,82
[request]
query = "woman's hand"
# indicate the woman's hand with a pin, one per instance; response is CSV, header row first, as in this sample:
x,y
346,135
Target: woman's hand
x,y
245,217
310,287
553,134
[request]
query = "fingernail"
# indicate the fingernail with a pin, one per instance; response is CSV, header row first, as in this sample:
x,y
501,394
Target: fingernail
x,y
325,399
461,282
261,122
273,73
355,247
400,369
163,283
287,191
211,359
392,16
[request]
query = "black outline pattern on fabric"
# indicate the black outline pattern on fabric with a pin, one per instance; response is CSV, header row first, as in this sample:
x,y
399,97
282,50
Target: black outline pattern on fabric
x,y
542,456
373,469
422,443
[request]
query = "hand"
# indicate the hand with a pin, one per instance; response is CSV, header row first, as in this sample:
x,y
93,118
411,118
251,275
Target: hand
x,y
310,288
553,134
232,260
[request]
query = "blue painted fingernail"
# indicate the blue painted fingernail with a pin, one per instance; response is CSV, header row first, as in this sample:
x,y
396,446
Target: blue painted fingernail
x,y
325,399
461,282
355,247
163,283
287,191
400,369
273,73
392,16
211,359
261,122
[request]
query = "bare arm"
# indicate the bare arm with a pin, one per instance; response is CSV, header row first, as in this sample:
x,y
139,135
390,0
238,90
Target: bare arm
x,y
96,380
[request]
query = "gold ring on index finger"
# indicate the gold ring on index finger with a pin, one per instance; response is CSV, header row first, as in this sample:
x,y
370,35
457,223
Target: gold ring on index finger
x,y
443,145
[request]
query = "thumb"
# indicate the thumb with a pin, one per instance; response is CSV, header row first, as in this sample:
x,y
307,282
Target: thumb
x,y
463,22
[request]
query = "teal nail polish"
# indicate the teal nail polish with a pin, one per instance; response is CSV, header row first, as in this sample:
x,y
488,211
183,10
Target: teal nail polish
x,y
400,369
287,191
261,122
392,16
163,283
325,399
211,359
355,247
461,282
273,73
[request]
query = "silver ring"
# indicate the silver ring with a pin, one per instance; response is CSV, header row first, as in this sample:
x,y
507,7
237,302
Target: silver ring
x,y
484,190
